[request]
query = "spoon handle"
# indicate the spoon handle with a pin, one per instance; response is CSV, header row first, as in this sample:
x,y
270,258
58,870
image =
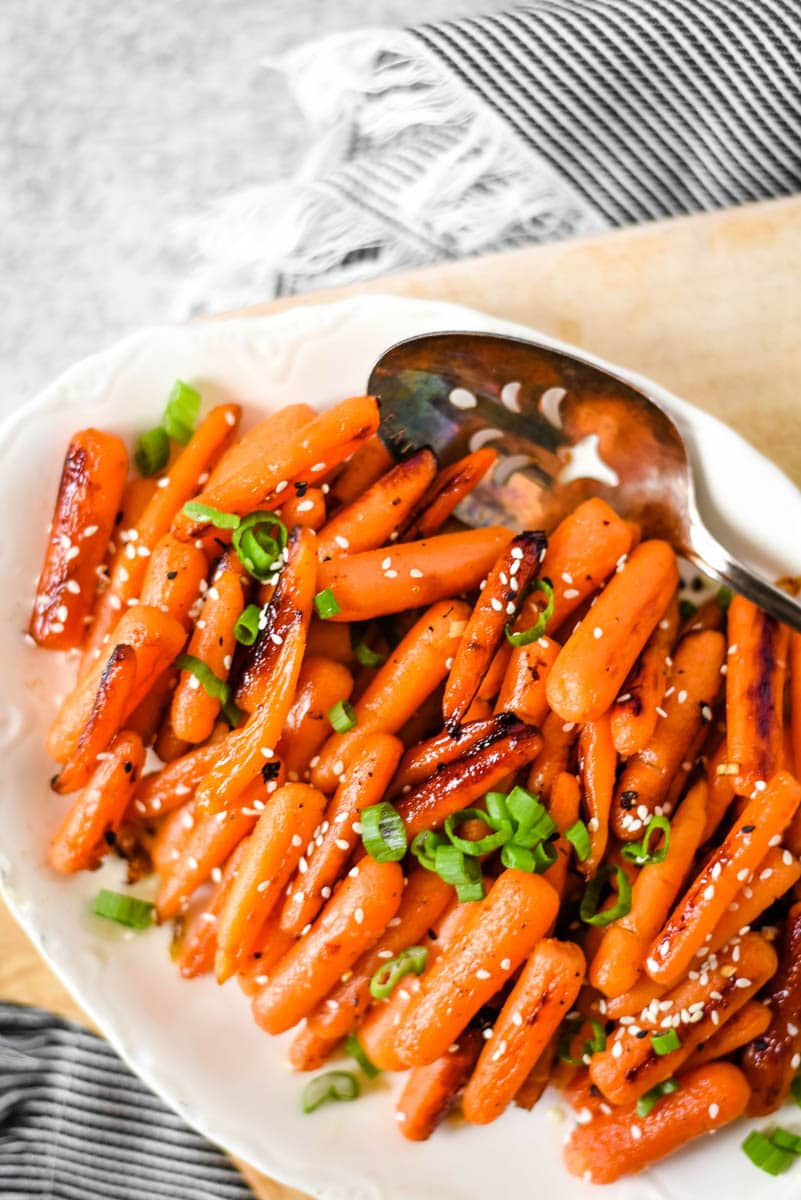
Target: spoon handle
x,y
708,554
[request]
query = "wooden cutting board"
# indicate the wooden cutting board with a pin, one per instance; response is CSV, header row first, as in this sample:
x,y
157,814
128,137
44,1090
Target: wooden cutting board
x,y
709,306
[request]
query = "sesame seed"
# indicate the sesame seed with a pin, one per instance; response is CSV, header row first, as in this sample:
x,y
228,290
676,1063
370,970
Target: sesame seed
x,y
391,574
636,1132
481,973
267,751
496,605
795,1061
617,1050
660,712
709,892
325,892
192,862
320,466
506,964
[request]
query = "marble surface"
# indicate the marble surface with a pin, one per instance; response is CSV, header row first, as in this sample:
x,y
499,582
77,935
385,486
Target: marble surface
x,y
116,121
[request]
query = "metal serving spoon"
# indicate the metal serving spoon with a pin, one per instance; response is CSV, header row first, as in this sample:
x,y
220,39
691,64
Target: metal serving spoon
x,y
564,431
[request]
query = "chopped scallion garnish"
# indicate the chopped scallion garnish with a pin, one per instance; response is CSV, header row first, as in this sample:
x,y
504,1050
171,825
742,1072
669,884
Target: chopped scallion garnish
x,y
647,1102
342,716
772,1159
212,685
483,845
182,412
152,451
589,910
641,853
411,961
526,636
211,516
326,604
665,1043
356,1050
464,873
368,657
332,1086
125,910
246,629
260,540
579,837
383,832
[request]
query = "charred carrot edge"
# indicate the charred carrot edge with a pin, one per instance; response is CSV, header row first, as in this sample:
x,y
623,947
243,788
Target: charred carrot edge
x,y
771,1062
322,682
708,897
533,1011
750,1022
597,767
634,713
448,490
176,573
583,551
352,920
413,670
367,464
98,810
754,693
497,605
199,944
104,720
522,690
410,574
363,784
430,1091
695,681
89,496
518,911
260,439
282,833
777,872
607,1148
598,656
558,740
369,522
563,807
308,1051
422,759
306,508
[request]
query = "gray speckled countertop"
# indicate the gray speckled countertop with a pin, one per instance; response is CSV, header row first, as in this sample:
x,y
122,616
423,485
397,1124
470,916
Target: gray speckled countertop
x,y
116,121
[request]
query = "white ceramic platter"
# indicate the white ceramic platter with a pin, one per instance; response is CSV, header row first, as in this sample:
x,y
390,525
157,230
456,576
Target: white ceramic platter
x,y
195,1043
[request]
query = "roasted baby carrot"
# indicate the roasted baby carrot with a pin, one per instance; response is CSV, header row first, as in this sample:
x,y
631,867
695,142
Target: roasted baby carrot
x,y
327,640
270,947
708,897
260,439
720,780
558,740
410,574
750,1022
634,713
430,1091
282,833
795,696
542,996
497,605
367,464
370,520
645,783
608,1147
308,1051
778,871
511,920
563,808
538,1078
321,683
708,615
87,830
757,669
176,572
771,1062
413,670
583,551
491,683
306,507
170,837
199,943
597,657
105,718
350,923
522,690
597,761
422,759
162,791
449,488
148,716
89,496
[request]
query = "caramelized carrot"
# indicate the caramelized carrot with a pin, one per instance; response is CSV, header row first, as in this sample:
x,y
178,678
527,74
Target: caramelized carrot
x,y
449,488
175,574
563,808
708,616
367,464
430,1091
634,713
778,871
424,758
162,791
720,781
757,668
88,828
795,696
770,1064
105,718
306,508
349,924
321,683
583,551
750,1022
410,574
598,656
491,683
308,1051
327,640
522,691
200,940
89,495
172,834
597,762
538,1078
270,947
558,739
260,439
146,719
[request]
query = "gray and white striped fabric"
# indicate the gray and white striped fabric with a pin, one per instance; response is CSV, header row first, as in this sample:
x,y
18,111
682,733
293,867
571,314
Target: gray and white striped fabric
x,y
75,1124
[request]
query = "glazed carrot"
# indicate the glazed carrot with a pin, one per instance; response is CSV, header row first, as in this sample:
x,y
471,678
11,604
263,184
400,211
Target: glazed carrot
x,y
370,520
533,1011
430,1091
270,947
634,713
795,695
168,745
558,739
349,924
283,830
105,718
155,637
522,690
538,1078
98,811
464,781
630,1066
306,508
757,669
638,997
363,784
89,495
594,661
162,791
260,439
583,551
695,681
176,572
708,897
261,469
778,871
307,1051
130,561
321,683
172,834
424,758
511,920
608,1148
449,488
747,1024
708,616
621,955
200,940
136,496
193,711
771,1062
720,782
424,899
563,808
597,762
413,670
497,606
362,469
146,719
491,683
410,574
327,640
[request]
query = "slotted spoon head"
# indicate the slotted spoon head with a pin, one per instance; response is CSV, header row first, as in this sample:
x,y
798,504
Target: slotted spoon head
x,y
564,430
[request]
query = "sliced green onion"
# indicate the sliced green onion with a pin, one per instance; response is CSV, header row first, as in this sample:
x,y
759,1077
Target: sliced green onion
x,y
368,657
641,852
534,822
665,1043
579,837
795,1090
686,610
724,597
588,909
152,451
332,1086
383,832
211,516
462,872
182,412
593,1045
763,1154
246,629
326,604
526,636
409,962
545,855
519,858
342,716
484,845
786,1141
424,847
597,1042
647,1102
212,685
498,814
260,539
125,910
356,1050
